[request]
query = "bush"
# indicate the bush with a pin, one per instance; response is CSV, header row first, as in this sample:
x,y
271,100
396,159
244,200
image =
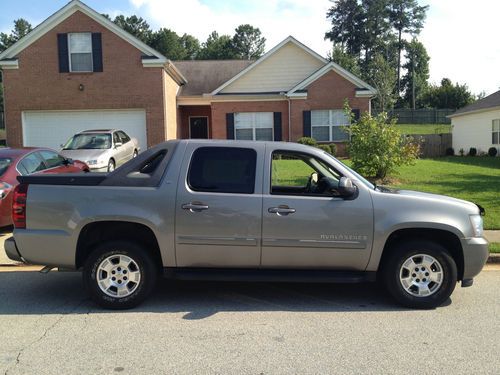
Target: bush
x,y
461,152
450,151
377,147
307,141
325,148
333,149
492,151
472,151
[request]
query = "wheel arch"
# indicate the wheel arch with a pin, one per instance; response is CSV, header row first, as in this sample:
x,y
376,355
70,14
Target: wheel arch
x,y
446,239
95,233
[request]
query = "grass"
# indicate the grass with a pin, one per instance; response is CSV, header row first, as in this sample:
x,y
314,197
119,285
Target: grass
x,y
424,128
494,248
475,179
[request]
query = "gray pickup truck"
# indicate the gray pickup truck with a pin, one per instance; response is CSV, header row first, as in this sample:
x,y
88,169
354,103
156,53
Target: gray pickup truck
x,y
235,210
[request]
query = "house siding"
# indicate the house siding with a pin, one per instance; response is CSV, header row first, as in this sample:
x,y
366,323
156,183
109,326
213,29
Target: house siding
x,y
280,72
124,83
170,99
474,130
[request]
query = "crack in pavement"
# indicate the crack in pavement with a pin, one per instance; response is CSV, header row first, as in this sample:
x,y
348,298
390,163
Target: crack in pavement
x,y
44,334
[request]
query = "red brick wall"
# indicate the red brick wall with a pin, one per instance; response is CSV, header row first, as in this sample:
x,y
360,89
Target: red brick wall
x,y
328,92
124,84
191,111
219,110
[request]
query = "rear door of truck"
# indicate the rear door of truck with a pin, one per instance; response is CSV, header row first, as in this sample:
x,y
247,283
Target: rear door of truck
x,y
219,205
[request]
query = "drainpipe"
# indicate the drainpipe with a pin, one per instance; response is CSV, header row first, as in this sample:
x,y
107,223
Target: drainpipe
x,y
289,119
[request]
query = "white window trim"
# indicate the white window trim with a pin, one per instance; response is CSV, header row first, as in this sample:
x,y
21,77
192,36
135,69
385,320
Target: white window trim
x,y
493,131
253,125
330,126
91,55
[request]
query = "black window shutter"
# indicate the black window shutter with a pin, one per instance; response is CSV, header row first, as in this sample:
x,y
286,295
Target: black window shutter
x,y
278,133
230,125
62,49
355,114
307,123
97,51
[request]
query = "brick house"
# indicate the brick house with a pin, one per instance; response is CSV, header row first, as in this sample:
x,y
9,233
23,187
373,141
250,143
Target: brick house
x,y
78,70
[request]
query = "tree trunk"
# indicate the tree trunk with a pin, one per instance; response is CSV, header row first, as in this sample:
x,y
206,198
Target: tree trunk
x,y
399,62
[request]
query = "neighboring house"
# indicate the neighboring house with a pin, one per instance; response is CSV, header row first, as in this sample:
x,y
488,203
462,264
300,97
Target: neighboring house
x,y
477,125
78,70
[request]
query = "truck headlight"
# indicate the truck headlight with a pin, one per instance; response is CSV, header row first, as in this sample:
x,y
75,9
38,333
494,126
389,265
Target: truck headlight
x,y
477,225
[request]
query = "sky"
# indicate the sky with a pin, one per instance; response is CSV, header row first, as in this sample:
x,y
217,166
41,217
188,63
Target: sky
x,y
461,36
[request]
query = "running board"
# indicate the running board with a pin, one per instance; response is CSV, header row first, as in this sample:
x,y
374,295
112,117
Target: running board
x,y
269,275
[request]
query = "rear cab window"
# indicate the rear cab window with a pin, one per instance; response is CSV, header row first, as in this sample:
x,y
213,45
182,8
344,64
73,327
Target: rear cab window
x,y
228,170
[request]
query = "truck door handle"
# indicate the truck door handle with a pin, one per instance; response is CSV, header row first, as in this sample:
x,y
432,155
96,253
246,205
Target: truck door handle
x,y
281,210
195,207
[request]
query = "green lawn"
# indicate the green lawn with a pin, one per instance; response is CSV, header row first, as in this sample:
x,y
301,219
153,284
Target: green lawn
x,y
424,128
476,179
494,247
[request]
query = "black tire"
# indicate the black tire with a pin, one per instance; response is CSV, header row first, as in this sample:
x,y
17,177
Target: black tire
x,y
392,269
142,262
111,165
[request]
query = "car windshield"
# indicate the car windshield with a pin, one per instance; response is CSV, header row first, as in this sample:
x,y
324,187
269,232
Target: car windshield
x,y
89,141
4,165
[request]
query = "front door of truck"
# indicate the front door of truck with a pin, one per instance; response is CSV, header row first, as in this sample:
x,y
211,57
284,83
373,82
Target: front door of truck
x,y
305,225
219,206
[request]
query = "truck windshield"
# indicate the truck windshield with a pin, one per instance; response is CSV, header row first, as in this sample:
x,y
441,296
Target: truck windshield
x,y
89,141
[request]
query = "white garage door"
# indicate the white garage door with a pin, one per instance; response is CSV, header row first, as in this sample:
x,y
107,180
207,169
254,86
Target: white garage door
x,y
53,128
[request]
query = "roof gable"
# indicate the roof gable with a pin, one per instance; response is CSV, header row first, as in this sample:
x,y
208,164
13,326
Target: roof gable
x,y
366,89
489,102
278,70
62,14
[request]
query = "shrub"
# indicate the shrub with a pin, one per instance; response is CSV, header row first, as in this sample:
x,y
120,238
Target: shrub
x,y
325,148
377,147
472,151
492,151
461,152
307,141
333,149
450,151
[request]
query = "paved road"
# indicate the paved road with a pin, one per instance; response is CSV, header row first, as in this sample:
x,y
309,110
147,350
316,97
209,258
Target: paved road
x,y
48,326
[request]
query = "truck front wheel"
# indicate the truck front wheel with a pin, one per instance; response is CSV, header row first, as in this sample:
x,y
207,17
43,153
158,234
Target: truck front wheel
x,y
119,275
420,274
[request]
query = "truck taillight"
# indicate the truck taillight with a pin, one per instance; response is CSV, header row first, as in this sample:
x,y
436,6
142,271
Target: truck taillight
x,y
19,206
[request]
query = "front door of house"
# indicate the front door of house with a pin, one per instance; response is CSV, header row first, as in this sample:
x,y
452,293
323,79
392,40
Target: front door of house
x,y
198,127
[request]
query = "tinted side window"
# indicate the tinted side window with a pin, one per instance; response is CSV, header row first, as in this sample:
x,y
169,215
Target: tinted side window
x,y
223,170
124,137
52,159
32,164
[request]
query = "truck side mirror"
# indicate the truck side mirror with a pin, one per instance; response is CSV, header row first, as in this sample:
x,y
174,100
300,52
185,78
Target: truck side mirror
x,y
347,189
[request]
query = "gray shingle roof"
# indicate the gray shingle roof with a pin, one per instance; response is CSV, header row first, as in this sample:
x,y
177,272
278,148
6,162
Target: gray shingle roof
x,y
204,76
489,101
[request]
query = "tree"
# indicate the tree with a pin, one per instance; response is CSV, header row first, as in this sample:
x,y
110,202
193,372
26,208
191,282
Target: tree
x,y
377,147
21,28
405,16
414,82
447,95
383,78
346,17
345,60
136,26
376,31
248,42
168,43
191,46
217,48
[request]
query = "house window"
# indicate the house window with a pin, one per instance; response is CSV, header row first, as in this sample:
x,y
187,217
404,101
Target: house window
x,y
326,125
80,52
495,135
254,126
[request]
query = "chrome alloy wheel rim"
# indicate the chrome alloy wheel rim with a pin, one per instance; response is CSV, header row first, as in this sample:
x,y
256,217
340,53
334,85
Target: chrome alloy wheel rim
x,y
421,275
118,276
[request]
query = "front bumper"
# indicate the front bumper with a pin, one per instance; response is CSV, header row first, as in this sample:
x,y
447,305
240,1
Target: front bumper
x,y
102,169
475,255
11,250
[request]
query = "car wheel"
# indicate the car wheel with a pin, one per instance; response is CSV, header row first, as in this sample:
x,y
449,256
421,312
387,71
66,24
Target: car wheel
x,y
134,155
420,274
119,275
111,165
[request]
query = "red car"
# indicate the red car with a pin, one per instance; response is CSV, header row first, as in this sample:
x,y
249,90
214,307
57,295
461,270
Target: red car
x,y
24,161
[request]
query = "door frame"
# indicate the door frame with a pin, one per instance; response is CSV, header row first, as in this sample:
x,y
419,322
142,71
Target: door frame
x,y
208,125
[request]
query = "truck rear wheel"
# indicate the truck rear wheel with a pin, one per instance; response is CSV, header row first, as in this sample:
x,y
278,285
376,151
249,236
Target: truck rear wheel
x,y
119,275
420,274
